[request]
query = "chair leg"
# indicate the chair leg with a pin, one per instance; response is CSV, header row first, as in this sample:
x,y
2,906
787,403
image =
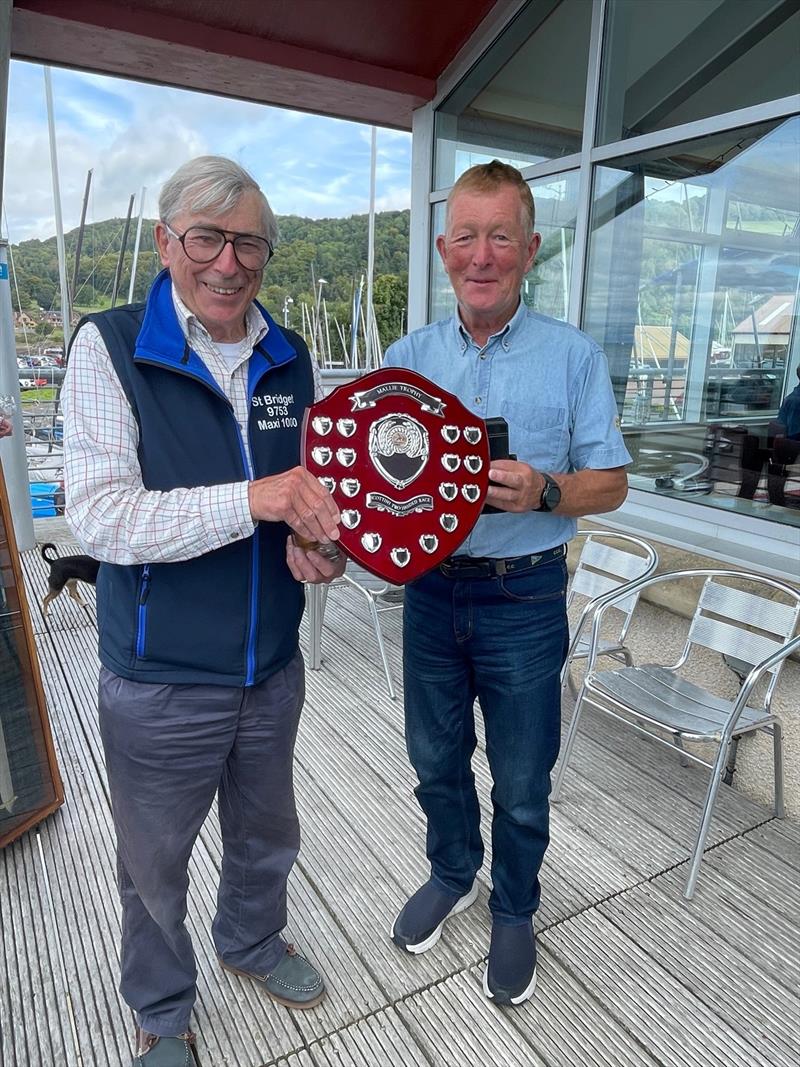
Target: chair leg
x,y
569,682
677,740
381,647
705,822
730,762
777,755
567,750
315,607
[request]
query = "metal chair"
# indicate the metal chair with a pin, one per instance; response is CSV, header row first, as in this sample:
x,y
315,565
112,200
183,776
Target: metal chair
x,y
730,619
379,595
609,563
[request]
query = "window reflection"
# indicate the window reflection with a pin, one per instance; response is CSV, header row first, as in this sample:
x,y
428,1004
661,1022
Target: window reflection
x,y
546,286
692,290
524,102
667,63
28,788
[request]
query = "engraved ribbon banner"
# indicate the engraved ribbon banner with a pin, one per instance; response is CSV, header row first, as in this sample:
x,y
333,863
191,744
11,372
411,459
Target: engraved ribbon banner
x,y
398,507
370,397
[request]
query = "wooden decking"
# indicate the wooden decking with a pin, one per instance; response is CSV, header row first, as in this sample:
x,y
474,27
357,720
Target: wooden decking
x,y
630,975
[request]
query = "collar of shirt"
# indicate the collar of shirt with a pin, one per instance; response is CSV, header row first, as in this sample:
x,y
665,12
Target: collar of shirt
x,y
193,329
506,334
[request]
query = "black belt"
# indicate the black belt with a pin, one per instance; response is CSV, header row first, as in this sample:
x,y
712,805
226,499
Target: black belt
x,y
476,567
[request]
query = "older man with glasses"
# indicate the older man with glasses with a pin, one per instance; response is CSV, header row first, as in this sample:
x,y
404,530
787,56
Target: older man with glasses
x,y
182,447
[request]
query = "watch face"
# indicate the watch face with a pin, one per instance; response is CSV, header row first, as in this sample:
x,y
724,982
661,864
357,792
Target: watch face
x,y
551,496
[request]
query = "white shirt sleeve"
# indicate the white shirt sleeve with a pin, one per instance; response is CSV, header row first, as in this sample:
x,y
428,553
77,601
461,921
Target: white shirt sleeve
x,y
113,516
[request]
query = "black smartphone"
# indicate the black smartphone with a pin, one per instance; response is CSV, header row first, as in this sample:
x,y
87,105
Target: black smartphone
x,y
497,432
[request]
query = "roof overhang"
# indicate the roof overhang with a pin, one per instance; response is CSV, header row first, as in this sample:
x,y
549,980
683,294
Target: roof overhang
x,y
353,59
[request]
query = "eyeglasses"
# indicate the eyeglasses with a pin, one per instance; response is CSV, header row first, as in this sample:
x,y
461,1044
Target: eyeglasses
x,y
202,244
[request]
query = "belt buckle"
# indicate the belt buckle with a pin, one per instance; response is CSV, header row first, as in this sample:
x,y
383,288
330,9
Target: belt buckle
x,y
500,568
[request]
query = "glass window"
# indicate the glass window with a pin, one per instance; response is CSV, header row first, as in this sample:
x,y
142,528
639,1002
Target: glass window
x,y
692,290
30,786
665,63
523,102
546,286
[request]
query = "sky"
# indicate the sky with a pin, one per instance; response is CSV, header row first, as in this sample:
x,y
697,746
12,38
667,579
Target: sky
x,y
133,135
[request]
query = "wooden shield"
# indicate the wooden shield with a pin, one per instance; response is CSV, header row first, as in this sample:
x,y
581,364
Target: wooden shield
x,y
408,467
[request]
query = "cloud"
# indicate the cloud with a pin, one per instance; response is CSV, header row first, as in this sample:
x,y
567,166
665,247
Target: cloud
x,y
135,135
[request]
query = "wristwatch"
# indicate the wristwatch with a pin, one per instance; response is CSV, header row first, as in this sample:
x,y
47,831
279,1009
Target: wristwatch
x,y
551,494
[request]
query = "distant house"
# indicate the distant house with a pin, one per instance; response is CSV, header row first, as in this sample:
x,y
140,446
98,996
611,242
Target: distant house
x,y
651,346
762,338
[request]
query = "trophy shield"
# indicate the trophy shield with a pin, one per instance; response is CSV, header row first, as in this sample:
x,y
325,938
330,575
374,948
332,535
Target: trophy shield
x,y
407,464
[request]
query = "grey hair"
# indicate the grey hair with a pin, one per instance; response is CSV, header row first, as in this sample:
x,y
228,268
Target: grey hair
x,y
215,185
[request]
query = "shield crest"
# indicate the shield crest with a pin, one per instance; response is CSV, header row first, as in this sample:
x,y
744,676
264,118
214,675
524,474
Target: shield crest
x,y
371,541
394,448
350,486
398,447
346,456
322,425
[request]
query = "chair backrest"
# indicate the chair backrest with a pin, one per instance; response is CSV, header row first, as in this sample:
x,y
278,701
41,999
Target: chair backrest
x,y
376,587
605,565
743,624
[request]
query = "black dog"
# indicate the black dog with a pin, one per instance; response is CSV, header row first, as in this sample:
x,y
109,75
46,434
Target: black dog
x,y
67,571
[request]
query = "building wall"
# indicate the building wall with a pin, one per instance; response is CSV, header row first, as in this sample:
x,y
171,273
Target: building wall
x,y
661,144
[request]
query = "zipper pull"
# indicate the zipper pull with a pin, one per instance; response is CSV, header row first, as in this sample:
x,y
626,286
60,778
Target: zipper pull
x,y
145,593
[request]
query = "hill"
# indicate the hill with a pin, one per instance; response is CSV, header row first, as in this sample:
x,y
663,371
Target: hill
x,y
335,249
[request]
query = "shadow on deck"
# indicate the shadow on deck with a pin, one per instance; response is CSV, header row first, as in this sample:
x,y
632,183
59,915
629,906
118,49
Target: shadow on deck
x,y
630,975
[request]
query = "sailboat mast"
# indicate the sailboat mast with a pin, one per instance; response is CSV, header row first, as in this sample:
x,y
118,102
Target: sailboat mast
x,y
79,244
118,274
369,348
62,258
136,245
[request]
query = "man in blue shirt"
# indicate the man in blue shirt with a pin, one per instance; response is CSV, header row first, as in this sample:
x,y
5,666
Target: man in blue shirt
x,y
490,622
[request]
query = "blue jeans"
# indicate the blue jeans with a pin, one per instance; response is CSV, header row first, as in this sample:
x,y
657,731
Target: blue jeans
x,y
502,640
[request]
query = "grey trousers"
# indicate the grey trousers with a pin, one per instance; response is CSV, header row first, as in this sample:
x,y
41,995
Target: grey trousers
x,y
169,749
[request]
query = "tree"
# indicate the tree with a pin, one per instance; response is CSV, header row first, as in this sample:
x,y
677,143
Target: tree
x,y
389,300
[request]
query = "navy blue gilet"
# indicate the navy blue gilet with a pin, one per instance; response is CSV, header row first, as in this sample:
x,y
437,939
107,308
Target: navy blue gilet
x,y
229,617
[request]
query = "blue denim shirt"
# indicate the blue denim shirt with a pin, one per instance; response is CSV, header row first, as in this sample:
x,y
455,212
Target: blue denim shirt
x,y
551,384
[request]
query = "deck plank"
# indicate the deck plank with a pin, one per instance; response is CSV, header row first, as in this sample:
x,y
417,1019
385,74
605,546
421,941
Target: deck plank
x,y
630,974
723,975
662,1012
